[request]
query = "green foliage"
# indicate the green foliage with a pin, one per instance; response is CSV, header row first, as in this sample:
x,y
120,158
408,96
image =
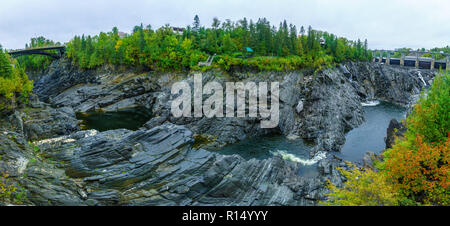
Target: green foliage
x,y
441,50
9,192
362,188
431,115
34,147
165,50
14,84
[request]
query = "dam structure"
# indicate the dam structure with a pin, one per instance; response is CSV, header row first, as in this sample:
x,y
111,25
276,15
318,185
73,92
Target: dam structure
x,y
417,59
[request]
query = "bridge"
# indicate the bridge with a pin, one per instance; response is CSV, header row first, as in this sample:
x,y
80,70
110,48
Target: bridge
x,y
41,51
412,59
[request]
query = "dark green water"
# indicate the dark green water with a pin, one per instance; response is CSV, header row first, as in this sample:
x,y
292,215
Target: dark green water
x,y
370,135
128,118
267,146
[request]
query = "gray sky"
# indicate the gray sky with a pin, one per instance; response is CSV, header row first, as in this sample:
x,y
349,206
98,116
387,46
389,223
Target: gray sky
x,y
386,24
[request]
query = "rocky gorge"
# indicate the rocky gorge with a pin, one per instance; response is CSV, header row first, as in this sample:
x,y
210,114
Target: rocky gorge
x,y
168,161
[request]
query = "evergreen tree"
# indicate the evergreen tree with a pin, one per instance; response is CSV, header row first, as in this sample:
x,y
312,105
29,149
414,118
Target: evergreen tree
x,y
5,65
196,23
115,31
216,23
141,38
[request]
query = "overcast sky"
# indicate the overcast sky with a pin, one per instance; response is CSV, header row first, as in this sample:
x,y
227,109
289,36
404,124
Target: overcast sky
x,y
387,24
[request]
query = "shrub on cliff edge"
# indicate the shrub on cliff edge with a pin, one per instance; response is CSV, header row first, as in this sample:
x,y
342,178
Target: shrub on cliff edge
x,y
14,84
419,164
362,188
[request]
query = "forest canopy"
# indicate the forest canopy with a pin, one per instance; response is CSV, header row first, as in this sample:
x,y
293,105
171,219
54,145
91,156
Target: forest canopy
x,y
258,45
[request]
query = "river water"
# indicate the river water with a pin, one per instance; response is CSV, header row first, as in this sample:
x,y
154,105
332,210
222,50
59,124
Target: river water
x,y
268,146
370,135
128,118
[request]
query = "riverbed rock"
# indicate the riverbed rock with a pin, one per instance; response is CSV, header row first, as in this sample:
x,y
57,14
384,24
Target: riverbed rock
x,y
61,75
303,102
368,160
40,181
226,130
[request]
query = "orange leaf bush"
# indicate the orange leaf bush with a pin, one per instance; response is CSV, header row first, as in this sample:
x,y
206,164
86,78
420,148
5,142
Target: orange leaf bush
x,y
421,171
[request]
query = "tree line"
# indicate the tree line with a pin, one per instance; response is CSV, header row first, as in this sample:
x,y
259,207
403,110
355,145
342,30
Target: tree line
x,y
242,43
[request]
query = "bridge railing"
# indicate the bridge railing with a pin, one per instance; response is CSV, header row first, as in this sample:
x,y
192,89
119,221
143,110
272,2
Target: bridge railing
x,y
38,48
384,56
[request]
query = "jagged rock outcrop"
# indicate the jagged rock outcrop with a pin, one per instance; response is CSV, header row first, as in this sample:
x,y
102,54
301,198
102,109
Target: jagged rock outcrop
x,y
155,167
40,180
65,85
230,130
61,75
327,99
391,83
41,121
332,108
395,130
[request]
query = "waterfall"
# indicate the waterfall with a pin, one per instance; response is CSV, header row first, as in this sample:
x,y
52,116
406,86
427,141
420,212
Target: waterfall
x,y
421,78
370,103
307,162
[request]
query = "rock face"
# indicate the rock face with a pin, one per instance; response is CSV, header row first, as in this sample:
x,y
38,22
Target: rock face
x,y
65,85
61,75
49,122
313,109
230,130
332,108
395,130
391,83
41,121
158,165
41,180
